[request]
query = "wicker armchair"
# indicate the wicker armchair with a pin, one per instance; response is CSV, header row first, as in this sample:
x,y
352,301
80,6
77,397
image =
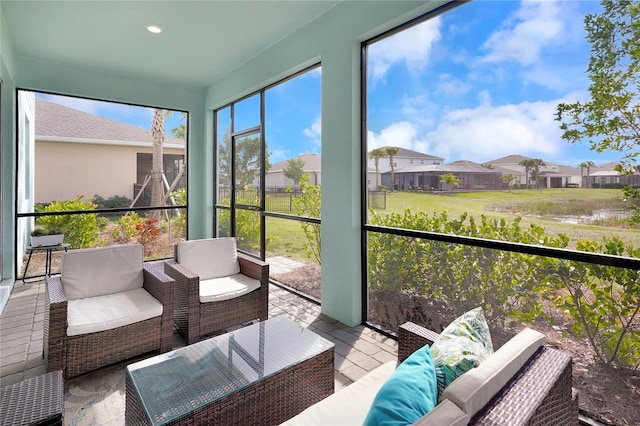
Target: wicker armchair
x,y
216,287
540,393
105,307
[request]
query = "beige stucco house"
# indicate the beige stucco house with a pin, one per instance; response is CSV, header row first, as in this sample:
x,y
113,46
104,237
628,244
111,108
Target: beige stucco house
x,y
77,153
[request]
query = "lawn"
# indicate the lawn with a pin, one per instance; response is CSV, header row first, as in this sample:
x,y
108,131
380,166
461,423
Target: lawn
x,y
546,208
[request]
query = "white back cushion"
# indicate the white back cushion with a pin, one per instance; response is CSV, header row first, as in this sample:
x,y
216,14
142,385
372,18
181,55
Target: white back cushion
x,y
476,387
100,271
209,258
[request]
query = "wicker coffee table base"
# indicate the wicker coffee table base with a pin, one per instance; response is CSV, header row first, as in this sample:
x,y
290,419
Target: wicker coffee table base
x,y
269,401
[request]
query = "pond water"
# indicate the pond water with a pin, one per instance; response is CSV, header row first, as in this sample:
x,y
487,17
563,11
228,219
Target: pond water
x,y
597,215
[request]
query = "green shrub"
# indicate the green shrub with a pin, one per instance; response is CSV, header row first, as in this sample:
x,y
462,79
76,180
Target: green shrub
x,y
126,228
115,202
80,230
180,220
308,204
604,301
460,275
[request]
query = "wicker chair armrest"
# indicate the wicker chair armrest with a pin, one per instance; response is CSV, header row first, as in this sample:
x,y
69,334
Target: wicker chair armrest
x,y
254,268
412,337
178,271
540,393
159,284
55,324
162,287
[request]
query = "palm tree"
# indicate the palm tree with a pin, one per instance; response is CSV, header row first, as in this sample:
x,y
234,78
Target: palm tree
x,y
583,166
376,155
391,151
527,164
157,173
589,164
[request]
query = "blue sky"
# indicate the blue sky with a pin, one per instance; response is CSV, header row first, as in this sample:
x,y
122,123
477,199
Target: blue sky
x,y
477,83
482,81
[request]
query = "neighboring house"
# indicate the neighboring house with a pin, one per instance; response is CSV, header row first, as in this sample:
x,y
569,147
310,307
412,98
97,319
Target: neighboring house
x,y
275,180
77,153
606,174
404,158
551,175
471,175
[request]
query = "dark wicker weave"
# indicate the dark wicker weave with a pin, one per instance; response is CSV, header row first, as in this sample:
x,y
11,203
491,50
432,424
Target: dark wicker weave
x,y
306,379
196,321
539,394
79,354
36,401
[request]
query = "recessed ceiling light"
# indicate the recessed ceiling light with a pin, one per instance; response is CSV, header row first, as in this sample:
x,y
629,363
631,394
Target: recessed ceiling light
x,y
153,28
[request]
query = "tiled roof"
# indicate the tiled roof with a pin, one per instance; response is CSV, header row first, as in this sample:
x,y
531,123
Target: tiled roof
x,y
58,121
403,152
509,159
311,163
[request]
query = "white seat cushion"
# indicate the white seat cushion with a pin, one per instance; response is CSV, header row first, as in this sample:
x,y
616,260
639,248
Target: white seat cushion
x,y
93,314
209,258
476,387
100,271
348,406
225,288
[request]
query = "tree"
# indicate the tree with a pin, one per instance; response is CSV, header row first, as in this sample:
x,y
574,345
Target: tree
x,y
451,180
535,170
391,151
376,155
180,131
246,162
527,164
586,165
294,170
509,179
610,119
157,172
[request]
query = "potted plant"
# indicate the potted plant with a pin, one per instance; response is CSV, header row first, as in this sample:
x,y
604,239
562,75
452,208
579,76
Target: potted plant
x,y
41,237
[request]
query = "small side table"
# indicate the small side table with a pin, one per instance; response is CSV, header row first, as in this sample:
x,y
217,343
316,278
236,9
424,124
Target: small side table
x,y
35,401
48,253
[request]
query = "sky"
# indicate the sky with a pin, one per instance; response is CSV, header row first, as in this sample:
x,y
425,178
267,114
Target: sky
x,y
483,81
476,83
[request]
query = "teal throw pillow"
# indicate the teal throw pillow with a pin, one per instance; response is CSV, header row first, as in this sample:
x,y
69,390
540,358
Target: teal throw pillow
x,y
408,394
461,346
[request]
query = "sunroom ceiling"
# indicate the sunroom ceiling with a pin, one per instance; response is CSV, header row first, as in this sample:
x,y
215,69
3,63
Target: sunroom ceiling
x,y
202,40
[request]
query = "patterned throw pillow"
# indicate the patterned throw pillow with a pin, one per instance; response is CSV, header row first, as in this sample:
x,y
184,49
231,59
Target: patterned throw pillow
x,y
462,345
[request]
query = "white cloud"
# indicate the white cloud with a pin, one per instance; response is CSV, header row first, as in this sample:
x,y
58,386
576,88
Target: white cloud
x,y
402,134
278,155
488,132
412,46
451,86
530,29
314,132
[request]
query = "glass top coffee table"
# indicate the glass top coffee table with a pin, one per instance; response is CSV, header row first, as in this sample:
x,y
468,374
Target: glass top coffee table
x,y
263,374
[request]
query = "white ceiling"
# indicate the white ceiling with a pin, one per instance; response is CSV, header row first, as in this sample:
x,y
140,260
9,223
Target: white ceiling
x,y
202,40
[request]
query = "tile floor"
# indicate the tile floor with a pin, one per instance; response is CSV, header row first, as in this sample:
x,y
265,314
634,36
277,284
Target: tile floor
x,y
98,397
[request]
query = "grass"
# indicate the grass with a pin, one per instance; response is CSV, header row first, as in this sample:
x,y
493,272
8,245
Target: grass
x,y
542,207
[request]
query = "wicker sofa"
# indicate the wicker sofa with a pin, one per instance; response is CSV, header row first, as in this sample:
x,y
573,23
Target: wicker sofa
x,y
522,383
105,307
